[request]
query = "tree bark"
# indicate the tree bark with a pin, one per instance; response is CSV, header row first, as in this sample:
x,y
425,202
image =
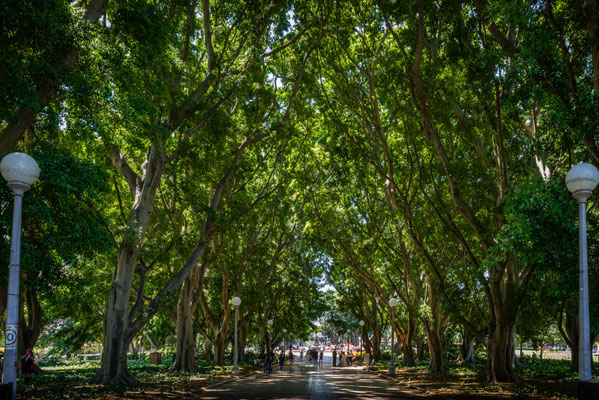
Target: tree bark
x,y
434,325
30,328
408,353
207,352
117,320
220,345
185,360
244,330
420,346
500,351
435,347
466,349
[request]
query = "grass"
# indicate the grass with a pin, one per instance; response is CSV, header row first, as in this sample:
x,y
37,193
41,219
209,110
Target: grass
x,y
541,379
70,380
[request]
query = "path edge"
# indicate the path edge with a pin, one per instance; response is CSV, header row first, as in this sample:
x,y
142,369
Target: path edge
x,y
409,385
232,379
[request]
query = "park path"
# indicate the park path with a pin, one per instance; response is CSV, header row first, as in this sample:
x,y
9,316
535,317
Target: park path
x,y
301,381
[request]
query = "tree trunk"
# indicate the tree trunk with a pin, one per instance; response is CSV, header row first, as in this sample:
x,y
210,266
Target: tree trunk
x,y
116,322
434,325
207,353
30,328
521,352
408,352
244,330
435,348
185,360
219,348
499,353
420,349
406,342
366,344
515,360
571,337
264,339
376,344
466,349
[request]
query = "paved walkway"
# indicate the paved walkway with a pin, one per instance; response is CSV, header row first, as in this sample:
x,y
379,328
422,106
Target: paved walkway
x,y
310,382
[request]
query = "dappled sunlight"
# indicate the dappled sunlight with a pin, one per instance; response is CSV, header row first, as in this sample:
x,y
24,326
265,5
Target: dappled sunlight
x,y
317,382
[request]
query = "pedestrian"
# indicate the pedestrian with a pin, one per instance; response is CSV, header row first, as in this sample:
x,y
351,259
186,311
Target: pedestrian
x,y
335,357
281,360
350,358
290,356
268,359
27,364
321,356
265,362
272,360
302,355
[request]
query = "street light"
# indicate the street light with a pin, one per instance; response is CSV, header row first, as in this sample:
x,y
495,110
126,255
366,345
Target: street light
x,y
362,340
284,339
236,302
392,303
21,171
581,180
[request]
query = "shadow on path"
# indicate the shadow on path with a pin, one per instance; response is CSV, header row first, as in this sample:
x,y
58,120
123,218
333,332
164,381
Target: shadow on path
x,y
310,382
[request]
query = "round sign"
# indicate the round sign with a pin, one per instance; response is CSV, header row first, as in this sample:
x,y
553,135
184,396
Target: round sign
x,y
10,337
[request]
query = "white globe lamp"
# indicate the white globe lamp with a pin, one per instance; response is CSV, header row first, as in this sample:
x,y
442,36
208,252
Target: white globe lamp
x,y
581,180
21,171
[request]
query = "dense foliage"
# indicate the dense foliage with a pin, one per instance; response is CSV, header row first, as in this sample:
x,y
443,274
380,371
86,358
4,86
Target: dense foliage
x,y
193,151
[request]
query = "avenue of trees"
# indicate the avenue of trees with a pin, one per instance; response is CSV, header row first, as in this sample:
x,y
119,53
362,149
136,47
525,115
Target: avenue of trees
x,y
195,150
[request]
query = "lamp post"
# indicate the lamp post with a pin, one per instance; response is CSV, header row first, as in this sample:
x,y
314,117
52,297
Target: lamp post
x,y
236,302
21,171
284,340
392,303
581,180
269,323
362,340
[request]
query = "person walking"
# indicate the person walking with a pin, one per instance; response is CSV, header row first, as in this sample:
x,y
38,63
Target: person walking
x,y
265,362
268,360
27,364
334,357
302,355
281,361
290,356
321,356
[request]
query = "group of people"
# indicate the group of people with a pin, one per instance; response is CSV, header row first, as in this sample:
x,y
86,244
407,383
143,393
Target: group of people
x,y
312,355
345,360
270,357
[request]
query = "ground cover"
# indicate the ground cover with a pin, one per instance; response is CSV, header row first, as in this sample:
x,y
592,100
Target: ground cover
x,y
541,379
69,380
